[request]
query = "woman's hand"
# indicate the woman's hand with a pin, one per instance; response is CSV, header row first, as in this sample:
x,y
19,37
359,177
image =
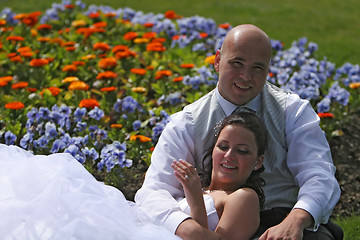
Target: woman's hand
x,y
190,180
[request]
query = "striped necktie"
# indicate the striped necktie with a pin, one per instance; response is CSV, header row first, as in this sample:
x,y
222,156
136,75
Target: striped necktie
x,y
240,109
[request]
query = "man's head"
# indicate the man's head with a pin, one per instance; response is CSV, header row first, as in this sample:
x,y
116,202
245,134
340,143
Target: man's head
x,y
243,63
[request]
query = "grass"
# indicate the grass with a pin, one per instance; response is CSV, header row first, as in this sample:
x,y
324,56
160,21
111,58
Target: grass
x,y
332,24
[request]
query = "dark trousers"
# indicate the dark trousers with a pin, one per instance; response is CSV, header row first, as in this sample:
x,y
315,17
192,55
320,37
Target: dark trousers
x,y
272,217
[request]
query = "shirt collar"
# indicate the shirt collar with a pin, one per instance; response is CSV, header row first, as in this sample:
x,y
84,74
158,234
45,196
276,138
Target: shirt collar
x,y
229,107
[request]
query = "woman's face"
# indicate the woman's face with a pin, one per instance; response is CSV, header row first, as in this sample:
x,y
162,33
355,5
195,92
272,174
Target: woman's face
x,y
234,158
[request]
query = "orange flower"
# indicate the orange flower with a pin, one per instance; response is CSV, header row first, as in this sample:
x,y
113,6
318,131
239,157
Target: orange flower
x,y
70,49
110,14
2,22
38,62
210,59
187,65
108,89
138,71
78,85
119,48
107,62
70,79
29,19
141,40
107,74
354,85
70,68
31,90
94,15
116,125
149,35
44,27
148,24
69,6
89,103
178,79
15,38
78,63
326,115
78,23
170,14
224,25
161,73
100,24
20,85
203,35
140,137
6,78
24,49
14,105
130,36
88,57
138,89
27,54
53,90
16,59
101,46
155,47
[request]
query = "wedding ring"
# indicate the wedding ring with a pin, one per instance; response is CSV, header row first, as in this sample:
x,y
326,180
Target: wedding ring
x,y
186,177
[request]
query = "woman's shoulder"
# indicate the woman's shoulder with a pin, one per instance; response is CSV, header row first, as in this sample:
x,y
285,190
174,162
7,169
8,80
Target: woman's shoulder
x,y
245,193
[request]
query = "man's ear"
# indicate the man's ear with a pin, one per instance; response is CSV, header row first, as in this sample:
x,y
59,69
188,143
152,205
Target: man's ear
x,y
217,61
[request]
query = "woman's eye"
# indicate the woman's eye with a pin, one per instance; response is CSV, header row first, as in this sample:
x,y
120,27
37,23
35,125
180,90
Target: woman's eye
x,y
242,151
222,147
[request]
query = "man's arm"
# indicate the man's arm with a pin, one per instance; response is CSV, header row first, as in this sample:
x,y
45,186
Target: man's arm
x,y
159,195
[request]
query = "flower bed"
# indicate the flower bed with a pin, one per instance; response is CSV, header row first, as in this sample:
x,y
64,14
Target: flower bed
x,y
100,83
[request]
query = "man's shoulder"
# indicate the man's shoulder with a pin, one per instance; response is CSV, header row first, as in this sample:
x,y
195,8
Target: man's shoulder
x,y
200,102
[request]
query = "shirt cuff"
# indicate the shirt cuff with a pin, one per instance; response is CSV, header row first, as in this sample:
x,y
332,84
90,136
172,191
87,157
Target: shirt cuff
x,y
314,211
174,220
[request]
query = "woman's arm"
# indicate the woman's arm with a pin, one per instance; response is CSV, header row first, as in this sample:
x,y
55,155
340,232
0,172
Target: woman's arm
x,y
191,183
240,216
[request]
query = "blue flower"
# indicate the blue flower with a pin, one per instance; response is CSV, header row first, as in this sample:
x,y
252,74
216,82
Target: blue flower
x,y
33,114
57,146
41,142
44,113
96,113
80,126
92,154
323,105
79,114
72,149
10,138
26,140
136,125
50,130
129,104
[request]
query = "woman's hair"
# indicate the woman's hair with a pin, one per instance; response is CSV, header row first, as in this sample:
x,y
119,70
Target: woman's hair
x,y
251,122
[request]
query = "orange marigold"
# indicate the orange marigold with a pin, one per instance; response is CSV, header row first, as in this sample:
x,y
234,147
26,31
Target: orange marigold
x,y
70,68
203,35
20,85
116,125
155,47
78,23
6,78
178,79
44,26
14,105
38,62
101,46
138,71
108,89
24,49
31,90
210,59
78,85
130,36
100,24
162,73
16,59
170,14
142,138
138,89
88,57
53,90
149,35
354,85
326,115
70,79
224,25
78,63
89,103
15,38
148,24
94,15
108,62
187,65
106,74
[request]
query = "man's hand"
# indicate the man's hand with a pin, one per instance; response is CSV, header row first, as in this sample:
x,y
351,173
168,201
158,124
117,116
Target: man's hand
x,y
292,227
191,230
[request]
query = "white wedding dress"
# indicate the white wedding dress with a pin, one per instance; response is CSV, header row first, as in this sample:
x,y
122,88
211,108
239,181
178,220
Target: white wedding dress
x,y
55,197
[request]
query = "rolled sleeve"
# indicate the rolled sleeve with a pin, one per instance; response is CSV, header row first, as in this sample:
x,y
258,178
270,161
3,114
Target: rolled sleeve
x,y
310,161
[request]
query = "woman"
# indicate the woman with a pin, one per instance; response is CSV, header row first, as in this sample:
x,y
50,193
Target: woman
x,y
230,204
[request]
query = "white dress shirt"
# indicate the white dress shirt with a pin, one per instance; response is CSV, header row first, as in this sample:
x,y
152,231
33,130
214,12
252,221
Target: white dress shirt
x,y
161,190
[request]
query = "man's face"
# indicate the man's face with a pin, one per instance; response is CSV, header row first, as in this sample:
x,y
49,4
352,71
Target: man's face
x,y
243,66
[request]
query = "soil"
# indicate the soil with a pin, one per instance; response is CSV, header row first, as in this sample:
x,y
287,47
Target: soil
x,y
346,156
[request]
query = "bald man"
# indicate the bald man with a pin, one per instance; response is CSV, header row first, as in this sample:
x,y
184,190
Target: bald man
x,y
300,189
